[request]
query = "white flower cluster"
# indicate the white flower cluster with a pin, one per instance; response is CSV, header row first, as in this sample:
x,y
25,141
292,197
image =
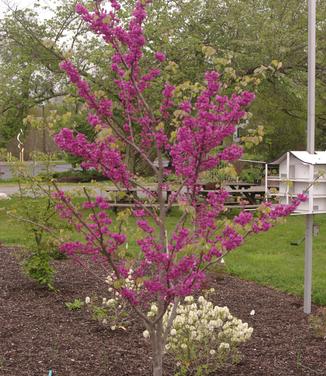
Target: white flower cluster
x,y
153,310
146,334
112,311
107,312
128,282
204,332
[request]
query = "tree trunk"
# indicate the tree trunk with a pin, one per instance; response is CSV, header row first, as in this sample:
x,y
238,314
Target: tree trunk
x,y
157,361
157,351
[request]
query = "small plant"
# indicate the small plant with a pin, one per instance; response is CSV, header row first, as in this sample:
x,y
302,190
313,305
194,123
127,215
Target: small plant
x,y
76,305
37,215
299,360
4,155
112,311
37,266
318,323
2,362
109,312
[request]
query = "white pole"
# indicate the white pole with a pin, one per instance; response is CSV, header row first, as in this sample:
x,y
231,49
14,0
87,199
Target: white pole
x,y
310,146
311,75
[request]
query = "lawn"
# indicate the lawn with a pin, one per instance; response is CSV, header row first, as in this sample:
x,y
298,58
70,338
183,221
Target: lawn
x,y
11,232
267,258
270,259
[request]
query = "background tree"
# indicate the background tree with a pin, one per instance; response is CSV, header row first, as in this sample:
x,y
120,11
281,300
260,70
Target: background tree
x,y
251,38
252,34
31,50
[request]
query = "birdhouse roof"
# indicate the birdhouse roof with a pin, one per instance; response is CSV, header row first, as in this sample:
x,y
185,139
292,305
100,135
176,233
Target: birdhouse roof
x,y
317,158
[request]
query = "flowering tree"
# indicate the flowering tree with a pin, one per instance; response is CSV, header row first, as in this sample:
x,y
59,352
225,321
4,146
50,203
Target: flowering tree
x,y
171,266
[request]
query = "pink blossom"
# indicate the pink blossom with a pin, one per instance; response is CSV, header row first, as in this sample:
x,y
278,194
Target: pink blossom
x,y
145,226
139,213
243,218
186,106
160,56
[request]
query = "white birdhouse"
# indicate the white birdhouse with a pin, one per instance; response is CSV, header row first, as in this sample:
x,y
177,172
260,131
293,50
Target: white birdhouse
x,y
299,171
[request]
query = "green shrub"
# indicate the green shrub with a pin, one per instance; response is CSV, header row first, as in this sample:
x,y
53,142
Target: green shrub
x,y
75,176
252,175
36,212
37,266
76,305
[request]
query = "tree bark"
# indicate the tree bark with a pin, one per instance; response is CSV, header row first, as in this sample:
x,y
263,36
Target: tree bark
x,y
157,350
157,360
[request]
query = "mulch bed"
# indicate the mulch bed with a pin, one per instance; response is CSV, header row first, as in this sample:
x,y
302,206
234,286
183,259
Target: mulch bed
x,y
37,331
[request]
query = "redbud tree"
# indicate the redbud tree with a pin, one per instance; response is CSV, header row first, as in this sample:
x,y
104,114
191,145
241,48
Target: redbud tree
x,y
171,265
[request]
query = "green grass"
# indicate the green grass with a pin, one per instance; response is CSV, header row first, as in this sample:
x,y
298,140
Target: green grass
x,y
11,181
11,232
270,259
266,258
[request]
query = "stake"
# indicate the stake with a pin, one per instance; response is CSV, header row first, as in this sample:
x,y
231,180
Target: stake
x,y
310,146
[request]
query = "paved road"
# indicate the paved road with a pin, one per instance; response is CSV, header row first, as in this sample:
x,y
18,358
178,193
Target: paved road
x,y
33,168
11,189
8,189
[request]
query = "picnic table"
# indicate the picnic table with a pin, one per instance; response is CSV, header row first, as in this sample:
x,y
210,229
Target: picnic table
x,y
239,192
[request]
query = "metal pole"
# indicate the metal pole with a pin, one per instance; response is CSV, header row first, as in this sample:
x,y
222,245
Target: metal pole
x,y
308,264
310,146
311,75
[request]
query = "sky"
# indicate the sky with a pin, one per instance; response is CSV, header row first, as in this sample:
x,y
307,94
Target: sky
x,y
21,4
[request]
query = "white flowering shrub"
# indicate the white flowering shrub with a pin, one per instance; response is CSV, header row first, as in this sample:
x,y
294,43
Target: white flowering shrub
x,y
203,337
111,311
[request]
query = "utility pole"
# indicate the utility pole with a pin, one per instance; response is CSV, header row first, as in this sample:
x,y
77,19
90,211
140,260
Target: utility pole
x,y
310,147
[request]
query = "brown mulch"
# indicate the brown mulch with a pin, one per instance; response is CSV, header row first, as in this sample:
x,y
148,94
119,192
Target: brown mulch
x,y
37,331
